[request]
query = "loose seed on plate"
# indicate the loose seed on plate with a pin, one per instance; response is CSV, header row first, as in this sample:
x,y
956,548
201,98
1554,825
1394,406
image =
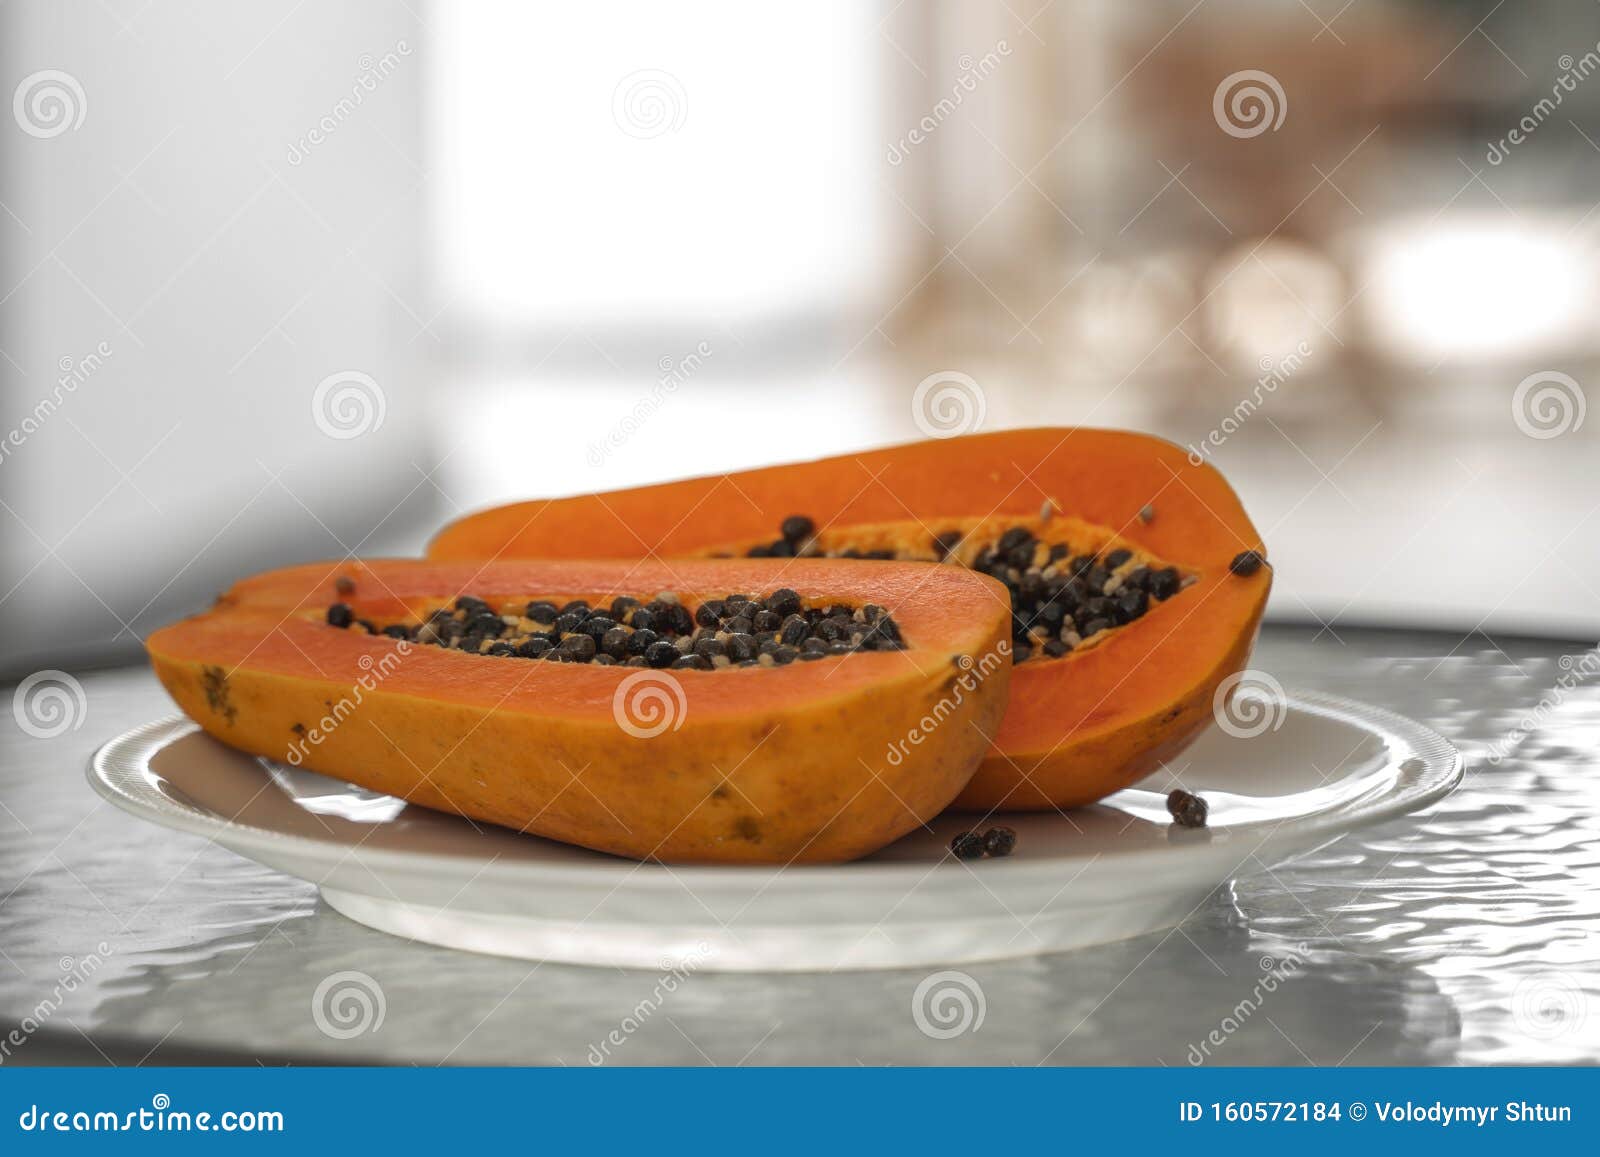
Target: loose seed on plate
x,y
999,841
967,846
1187,809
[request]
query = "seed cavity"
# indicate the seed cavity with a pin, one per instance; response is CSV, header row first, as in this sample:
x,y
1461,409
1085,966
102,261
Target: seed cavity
x,y
717,634
1059,599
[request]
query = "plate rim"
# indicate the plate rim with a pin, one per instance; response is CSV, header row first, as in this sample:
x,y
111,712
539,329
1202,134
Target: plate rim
x,y
119,772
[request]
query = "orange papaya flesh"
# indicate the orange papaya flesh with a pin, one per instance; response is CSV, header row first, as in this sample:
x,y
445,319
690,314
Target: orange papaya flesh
x,y
813,761
1079,726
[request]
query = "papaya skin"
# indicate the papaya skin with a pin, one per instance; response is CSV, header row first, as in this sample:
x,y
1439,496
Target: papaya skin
x,y
798,764
1078,728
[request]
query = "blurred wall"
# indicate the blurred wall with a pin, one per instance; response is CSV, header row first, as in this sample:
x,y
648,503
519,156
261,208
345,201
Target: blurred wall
x,y
206,212
279,283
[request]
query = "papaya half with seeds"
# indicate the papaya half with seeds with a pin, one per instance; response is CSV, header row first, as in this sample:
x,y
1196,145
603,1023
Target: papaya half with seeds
x,y
398,676
1117,550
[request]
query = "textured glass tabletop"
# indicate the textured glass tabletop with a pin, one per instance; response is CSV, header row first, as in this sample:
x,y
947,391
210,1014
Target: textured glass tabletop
x,y
1467,933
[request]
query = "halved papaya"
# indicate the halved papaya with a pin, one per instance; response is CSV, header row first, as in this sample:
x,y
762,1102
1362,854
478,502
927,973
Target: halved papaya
x,y
1138,579
537,695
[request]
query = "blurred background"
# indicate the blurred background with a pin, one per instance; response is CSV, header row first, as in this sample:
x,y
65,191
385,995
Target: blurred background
x,y
284,281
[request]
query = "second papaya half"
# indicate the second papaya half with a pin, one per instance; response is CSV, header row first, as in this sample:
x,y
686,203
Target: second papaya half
x,y
1137,581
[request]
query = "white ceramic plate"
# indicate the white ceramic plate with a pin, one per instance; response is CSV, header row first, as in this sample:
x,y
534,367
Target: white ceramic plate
x,y
1097,874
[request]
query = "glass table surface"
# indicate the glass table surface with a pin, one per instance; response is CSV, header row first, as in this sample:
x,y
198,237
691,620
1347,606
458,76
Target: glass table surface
x,y
1468,933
